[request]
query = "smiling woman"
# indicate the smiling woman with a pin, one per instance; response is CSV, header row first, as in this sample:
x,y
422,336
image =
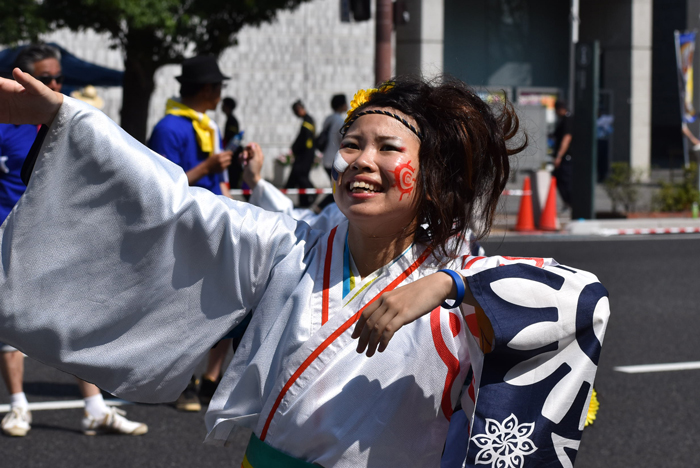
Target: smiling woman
x,y
446,143
496,356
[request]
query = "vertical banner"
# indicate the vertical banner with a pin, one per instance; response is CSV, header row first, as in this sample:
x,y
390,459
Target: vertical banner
x,y
685,50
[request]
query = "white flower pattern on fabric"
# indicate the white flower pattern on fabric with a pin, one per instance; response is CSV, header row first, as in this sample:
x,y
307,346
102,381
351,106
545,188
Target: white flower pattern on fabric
x,y
505,445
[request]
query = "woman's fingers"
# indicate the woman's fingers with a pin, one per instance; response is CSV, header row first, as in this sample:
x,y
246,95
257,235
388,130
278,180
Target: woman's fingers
x,y
381,333
366,323
31,84
369,310
27,101
389,330
377,325
10,86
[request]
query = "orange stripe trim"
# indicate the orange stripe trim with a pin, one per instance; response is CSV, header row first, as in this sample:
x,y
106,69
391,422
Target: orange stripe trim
x,y
322,347
539,262
472,262
327,276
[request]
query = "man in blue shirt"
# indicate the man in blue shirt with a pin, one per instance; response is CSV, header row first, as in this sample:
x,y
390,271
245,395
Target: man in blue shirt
x,y
186,135
15,142
190,139
44,63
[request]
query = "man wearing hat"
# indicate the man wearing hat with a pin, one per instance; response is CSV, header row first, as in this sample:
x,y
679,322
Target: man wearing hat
x,y
186,135
190,139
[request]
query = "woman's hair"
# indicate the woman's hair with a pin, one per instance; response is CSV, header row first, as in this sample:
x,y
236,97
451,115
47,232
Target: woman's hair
x,y
463,155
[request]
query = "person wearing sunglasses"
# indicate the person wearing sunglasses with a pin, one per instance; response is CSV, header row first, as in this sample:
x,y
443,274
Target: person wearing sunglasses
x,y
43,62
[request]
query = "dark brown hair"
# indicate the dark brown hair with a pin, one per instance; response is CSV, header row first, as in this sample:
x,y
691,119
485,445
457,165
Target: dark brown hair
x,y
463,156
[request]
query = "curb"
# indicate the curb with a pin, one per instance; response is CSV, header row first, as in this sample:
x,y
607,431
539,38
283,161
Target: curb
x,y
629,232
638,226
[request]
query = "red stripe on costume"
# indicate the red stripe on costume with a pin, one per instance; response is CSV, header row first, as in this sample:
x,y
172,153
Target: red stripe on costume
x,y
472,262
448,358
327,276
539,262
473,325
454,325
343,328
470,391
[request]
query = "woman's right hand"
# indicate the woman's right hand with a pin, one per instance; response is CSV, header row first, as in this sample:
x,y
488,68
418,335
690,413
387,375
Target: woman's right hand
x,y
27,101
252,159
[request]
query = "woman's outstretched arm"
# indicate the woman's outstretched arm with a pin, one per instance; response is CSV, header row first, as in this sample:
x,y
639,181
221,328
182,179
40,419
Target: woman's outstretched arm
x,y
112,268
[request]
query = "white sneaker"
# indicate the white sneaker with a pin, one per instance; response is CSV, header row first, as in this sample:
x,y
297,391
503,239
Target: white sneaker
x,y
113,422
17,422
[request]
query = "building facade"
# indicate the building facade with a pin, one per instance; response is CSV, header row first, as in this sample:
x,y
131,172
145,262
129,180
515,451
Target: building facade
x,y
306,53
520,46
525,45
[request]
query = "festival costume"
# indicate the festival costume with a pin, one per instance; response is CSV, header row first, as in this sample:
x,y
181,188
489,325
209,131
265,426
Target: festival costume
x,y
143,261
15,142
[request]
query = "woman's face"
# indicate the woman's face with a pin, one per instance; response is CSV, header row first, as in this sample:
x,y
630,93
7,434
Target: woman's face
x,y
377,190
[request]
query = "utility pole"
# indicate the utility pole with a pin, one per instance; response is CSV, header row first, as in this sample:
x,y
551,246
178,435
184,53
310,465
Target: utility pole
x,y
383,53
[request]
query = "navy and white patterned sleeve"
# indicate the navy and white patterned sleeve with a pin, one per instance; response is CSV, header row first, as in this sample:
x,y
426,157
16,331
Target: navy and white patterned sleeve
x,y
531,392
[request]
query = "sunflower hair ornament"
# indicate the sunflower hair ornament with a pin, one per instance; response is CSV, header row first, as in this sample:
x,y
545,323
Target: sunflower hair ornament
x,y
361,98
363,95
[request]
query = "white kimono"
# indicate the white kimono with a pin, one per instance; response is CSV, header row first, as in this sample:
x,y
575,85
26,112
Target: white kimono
x,y
113,269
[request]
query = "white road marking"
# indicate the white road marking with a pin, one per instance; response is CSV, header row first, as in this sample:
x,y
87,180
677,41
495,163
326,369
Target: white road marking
x,y
65,404
674,366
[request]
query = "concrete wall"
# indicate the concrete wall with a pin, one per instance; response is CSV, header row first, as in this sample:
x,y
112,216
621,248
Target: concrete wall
x,y
304,54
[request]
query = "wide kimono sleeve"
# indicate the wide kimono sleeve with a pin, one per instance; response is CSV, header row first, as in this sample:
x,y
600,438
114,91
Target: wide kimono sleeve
x,y
529,393
268,197
113,269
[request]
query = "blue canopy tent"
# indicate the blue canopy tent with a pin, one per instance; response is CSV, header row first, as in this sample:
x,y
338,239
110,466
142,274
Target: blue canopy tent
x,y
77,72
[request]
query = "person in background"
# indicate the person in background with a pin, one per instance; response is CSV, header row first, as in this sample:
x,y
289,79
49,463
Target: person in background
x,y
563,164
186,135
689,135
231,129
332,126
329,137
44,63
304,151
190,139
89,95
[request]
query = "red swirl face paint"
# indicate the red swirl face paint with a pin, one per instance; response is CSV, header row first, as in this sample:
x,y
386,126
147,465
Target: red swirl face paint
x,y
405,178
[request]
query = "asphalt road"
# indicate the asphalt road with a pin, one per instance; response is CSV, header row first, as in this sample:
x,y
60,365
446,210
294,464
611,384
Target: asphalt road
x,y
645,419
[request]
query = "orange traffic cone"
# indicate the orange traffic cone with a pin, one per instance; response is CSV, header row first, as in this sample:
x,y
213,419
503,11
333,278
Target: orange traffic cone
x,y
526,220
548,220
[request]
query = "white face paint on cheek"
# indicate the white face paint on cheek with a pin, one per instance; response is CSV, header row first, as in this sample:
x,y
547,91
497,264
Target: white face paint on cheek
x,y
340,165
